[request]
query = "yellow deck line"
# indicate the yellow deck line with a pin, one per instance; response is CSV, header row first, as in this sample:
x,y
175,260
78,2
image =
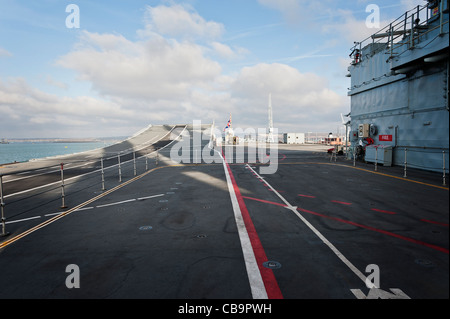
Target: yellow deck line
x,y
369,171
63,214
68,212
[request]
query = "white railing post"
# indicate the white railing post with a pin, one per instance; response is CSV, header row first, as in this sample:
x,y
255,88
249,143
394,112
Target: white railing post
x,y
63,194
103,175
120,169
134,163
2,207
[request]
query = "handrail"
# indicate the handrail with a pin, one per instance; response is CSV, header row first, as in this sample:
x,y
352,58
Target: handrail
x,y
408,29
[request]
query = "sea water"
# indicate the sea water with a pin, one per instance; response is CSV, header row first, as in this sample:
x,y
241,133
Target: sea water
x,y
22,152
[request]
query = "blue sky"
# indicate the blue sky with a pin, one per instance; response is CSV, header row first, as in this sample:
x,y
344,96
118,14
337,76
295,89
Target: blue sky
x,y
134,63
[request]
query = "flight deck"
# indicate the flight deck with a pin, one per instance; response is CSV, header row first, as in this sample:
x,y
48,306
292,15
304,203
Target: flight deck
x,y
129,222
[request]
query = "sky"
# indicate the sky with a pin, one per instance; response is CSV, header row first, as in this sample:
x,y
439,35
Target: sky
x,y
129,64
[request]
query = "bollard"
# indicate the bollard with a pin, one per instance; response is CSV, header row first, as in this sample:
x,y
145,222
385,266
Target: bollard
x,y
63,195
404,170
157,157
146,163
103,175
120,169
2,206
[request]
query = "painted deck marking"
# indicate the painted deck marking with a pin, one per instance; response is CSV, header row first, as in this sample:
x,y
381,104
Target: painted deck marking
x,y
262,280
342,203
383,211
295,210
444,250
433,222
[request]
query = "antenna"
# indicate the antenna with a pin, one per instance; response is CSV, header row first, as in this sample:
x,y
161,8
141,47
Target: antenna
x,y
270,138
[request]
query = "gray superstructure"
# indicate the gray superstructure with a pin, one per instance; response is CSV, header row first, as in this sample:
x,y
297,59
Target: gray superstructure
x,y
399,90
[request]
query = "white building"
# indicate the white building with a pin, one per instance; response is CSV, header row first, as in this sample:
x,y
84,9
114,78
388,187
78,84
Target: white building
x,y
294,138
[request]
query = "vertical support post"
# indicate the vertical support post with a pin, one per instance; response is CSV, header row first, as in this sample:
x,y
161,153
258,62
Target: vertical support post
x,y
134,163
441,17
157,157
376,158
443,168
404,170
411,35
391,30
2,208
354,156
103,175
346,141
406,21
146,162
120,169
63,194
335,153
360,52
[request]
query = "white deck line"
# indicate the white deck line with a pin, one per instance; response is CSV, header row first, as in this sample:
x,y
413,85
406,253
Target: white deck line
x,y
355,270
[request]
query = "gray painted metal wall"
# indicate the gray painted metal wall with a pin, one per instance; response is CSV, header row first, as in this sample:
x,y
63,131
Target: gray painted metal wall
x,y
403,93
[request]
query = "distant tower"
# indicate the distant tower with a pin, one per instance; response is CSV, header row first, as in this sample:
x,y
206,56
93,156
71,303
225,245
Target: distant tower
x,y
270,137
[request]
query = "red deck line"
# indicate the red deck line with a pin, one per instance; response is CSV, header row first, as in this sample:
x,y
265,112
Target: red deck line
x,y
433,222
264,201
308,196
343,203
383,211
268,277
415,241
444,250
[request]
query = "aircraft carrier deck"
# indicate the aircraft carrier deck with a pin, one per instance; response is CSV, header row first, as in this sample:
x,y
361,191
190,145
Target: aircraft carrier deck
x,y
152,228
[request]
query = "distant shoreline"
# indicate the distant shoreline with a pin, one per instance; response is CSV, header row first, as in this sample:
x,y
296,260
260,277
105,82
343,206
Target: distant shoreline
x,y
63,140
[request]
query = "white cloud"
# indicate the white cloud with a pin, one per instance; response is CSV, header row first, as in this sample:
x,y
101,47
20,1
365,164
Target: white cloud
x,y
33,109
171,74
226,52
50,80
5,53
223,50
180,21
301,101
156,68
349,28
